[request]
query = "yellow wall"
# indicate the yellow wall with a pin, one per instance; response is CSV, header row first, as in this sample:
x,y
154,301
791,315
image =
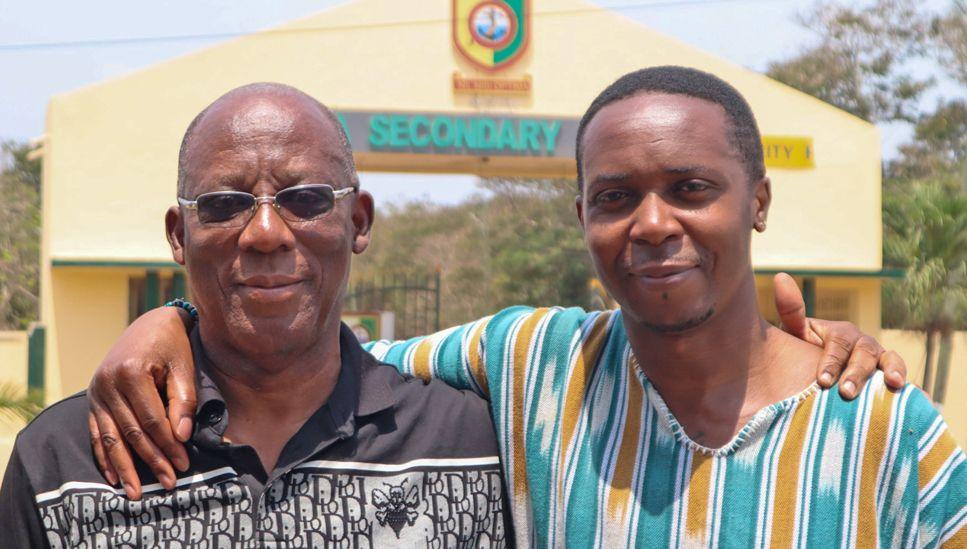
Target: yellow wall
x,y
13,358
862,294
13,370
90,317
911,347
112,147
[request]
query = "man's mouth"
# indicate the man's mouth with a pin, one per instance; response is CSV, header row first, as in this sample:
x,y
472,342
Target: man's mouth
x,y
662,276
661,270
275,289
269,282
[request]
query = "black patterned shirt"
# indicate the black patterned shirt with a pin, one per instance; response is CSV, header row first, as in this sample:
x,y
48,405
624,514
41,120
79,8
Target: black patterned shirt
x,y
388,461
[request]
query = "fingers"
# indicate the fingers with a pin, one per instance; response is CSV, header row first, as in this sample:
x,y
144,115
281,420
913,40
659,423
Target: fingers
x,y
114,452
862,363
791,307
182,400
894,369
150,414
99,453
836,352
131,431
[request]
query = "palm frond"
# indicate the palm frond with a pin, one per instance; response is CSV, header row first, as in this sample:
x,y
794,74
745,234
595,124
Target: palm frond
x,y
15,404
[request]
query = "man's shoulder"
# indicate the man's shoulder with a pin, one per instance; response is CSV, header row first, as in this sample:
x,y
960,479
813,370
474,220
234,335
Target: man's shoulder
x,y
408,390
55,447
436,415
907,417
64,419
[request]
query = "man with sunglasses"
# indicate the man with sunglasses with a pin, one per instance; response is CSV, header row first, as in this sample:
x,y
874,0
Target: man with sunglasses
x,y
302,439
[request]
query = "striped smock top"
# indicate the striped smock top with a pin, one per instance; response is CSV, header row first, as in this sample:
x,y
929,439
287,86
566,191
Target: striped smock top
x,y
593,457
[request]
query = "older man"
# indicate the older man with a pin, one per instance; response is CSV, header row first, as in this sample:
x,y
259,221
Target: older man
x,y
683,418
302,438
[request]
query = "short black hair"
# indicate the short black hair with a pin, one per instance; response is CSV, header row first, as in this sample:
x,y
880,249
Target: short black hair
x,y
677,80
268,88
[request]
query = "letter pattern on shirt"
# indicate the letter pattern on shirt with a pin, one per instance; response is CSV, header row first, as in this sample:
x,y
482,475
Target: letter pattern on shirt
x,y
312,506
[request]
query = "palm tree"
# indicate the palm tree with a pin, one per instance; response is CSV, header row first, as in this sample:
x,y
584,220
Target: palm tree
x,y
18,406
926,231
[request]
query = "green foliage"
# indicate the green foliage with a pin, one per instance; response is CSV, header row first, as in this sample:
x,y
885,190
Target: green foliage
x,y
925,231
861,61
518,244
949,40
939,144
20,224
925,224
862,64
14,405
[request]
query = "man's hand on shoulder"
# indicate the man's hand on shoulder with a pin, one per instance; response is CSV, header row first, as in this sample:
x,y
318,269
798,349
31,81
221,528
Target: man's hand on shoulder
x,y
849,355
152,355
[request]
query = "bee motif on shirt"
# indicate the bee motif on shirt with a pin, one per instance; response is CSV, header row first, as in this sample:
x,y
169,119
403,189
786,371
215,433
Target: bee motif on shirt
x,y
396,506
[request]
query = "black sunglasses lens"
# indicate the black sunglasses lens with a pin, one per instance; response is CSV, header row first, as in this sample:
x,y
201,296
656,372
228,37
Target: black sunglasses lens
x,y
306,203
222,207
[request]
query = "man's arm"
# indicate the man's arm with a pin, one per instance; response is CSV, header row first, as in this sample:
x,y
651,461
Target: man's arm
x,y
843,344
456,355
19,518
940,482
153,354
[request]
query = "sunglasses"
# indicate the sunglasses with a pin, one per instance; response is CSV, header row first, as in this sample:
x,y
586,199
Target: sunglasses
x,y
236,208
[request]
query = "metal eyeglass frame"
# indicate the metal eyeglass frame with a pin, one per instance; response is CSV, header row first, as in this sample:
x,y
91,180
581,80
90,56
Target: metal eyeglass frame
x,y
259,200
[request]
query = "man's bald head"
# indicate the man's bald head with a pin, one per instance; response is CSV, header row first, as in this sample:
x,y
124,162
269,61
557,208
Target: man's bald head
x,y
244,96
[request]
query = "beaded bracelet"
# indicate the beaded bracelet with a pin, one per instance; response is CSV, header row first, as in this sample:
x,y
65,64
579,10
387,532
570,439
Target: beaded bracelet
x,y
186,305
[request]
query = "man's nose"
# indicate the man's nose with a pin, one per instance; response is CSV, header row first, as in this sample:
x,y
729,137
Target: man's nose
x,y
266,232
655,221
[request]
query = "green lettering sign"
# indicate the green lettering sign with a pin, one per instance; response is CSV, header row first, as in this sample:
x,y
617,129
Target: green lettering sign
x,y
420,137
378,130
460,134
399,131
441,129
551,130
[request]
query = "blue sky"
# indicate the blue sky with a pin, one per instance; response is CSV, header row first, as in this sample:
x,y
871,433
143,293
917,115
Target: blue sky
x,y
747,32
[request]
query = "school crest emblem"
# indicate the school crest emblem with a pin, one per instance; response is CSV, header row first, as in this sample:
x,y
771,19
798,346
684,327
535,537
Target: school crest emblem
x,y
491,34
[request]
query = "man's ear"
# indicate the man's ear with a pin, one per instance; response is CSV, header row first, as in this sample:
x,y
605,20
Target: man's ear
x,y
175,231
579,208
362,217
761,200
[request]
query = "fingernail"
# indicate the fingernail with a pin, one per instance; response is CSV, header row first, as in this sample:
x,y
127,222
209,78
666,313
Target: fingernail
x,y
112,478
166,481
184,429
181,463
826,378
849,387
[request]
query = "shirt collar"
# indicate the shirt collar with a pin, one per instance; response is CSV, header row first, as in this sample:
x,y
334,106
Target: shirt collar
x,y
359,390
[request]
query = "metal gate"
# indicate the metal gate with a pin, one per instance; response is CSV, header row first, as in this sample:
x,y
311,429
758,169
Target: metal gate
x,y
413,298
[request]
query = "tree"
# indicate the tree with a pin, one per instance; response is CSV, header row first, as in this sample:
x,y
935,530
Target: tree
x,y
19,236
860,62
939,144
489,249
864,63
16,405
926,226
949,38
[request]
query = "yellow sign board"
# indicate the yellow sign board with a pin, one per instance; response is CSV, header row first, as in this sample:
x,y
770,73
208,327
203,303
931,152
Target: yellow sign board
x,y
795,153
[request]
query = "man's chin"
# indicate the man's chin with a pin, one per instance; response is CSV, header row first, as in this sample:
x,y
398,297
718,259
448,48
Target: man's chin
x,y
678,326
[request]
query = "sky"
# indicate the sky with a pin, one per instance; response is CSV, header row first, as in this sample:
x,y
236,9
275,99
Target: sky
x,y
53,46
